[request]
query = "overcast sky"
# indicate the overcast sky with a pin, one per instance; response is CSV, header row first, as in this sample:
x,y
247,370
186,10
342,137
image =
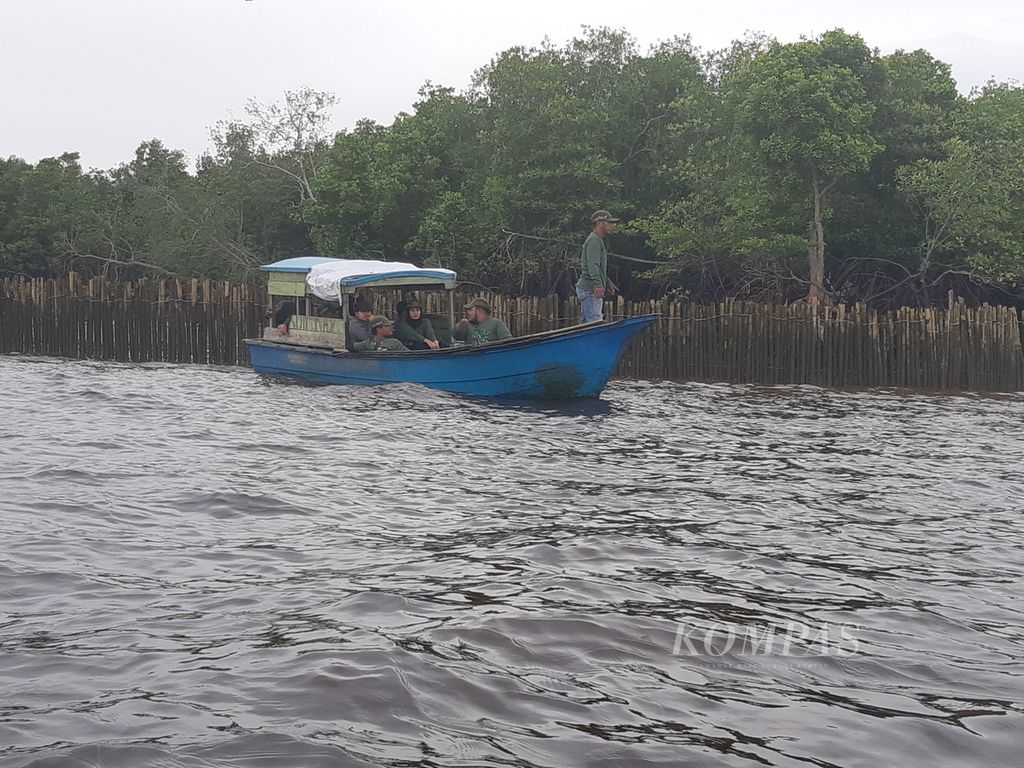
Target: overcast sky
x,y
101,76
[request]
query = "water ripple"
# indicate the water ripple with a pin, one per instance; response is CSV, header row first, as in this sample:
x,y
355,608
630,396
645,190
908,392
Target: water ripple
x,y
199,567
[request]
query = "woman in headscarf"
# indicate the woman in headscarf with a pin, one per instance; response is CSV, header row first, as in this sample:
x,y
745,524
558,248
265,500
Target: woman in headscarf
x,y
413,329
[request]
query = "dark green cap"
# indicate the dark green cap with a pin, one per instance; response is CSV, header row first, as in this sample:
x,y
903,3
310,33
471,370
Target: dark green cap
x,y
602,216
378,321
413,304
481,302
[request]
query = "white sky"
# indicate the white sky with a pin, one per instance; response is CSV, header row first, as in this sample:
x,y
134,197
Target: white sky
x,y
101,76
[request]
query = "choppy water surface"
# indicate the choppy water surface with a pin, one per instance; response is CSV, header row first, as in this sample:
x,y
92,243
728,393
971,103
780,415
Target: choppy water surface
x,y
201,568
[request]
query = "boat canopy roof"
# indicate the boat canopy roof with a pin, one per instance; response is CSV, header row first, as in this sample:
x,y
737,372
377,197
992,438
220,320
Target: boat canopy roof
x,y
329,279
297,264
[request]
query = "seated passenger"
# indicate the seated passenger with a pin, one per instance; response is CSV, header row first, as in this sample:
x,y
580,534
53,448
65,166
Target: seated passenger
x,y
381,341
282,315
479,327
359,326
413,329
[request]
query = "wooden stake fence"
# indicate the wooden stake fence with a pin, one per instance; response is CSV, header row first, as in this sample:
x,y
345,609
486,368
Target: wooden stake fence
x,y
203,321
174,321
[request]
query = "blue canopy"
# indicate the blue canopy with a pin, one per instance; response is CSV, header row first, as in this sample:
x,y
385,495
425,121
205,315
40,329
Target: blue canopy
x,y
297,264
328,278
426,275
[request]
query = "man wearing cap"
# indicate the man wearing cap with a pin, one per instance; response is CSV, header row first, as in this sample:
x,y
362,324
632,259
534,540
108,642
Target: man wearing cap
x,y
479,327
413,329
381,341
594,283
359,326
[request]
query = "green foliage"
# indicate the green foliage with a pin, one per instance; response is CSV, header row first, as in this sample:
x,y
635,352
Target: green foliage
x,y
913,119
972,208
969,195
375,187
807,106
500,181
762,170
41,208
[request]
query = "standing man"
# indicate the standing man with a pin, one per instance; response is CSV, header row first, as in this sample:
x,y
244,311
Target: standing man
x,y
594,283
479,327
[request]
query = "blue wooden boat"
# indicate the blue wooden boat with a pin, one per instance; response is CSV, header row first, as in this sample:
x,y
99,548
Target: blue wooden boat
x,y
559,364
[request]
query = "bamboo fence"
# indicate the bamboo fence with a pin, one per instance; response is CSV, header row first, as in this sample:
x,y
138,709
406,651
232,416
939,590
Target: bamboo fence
x,y
203,321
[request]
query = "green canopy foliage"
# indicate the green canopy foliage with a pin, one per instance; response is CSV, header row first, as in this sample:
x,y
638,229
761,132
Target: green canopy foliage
x,y
765,170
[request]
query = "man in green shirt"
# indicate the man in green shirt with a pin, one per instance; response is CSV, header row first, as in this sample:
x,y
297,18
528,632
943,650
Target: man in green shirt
x,y
594,283
382,339
413,329
479,327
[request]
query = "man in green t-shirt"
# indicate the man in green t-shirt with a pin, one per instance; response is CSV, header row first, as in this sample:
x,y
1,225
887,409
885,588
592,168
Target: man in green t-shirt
x,y
594,284
383,337
479,327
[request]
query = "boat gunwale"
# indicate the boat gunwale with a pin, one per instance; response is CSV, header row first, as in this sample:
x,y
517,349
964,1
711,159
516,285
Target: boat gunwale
x,y
512,343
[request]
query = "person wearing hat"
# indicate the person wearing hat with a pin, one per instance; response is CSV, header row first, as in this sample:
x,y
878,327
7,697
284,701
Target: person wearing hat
x,y
381,341
594,284
479,327
413,329
359,326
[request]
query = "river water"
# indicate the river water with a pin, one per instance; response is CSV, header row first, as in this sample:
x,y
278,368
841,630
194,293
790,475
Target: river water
x,y
202,568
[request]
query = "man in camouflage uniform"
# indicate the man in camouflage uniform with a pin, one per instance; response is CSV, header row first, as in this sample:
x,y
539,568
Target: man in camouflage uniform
x,y
479,327
383,337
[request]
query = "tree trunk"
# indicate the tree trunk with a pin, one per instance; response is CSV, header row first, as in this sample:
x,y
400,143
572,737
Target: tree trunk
x,y
816,250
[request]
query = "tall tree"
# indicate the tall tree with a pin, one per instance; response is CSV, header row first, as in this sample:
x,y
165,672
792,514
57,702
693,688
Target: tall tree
x,y
809,107
874,230
721,227
42,207
548,111
259,206
288,138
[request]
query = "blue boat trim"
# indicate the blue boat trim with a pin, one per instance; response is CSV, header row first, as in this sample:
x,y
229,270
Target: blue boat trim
x,y
561,364
296,264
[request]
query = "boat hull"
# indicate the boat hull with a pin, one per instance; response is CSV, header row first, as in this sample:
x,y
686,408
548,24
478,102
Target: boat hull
x,y
562,364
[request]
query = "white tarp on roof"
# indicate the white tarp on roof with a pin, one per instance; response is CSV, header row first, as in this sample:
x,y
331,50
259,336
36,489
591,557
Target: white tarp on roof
x,y
324,279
